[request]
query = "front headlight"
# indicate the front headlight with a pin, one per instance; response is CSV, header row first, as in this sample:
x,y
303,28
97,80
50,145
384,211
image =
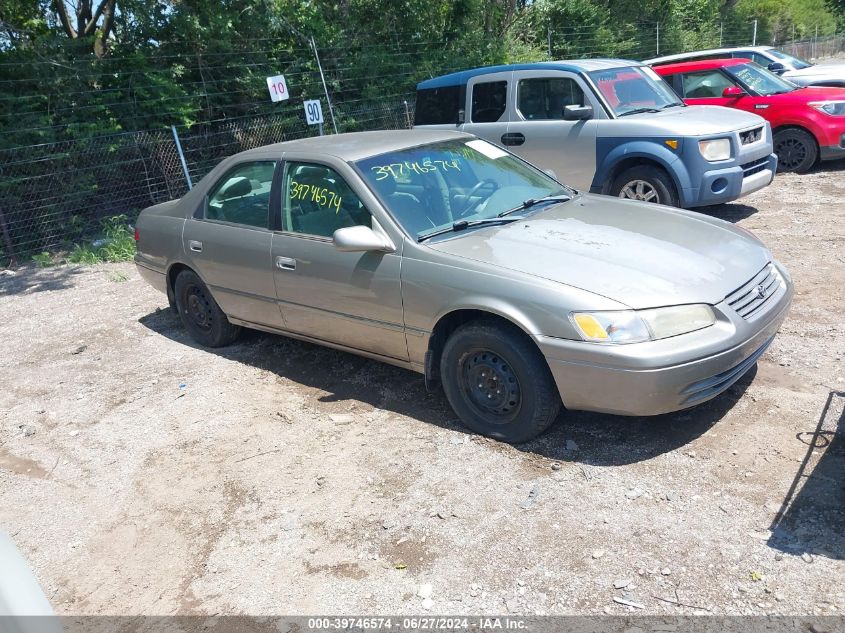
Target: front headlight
x,y
715,149
636,326
833,108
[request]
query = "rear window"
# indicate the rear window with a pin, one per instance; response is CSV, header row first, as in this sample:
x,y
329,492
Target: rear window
x,y
436,106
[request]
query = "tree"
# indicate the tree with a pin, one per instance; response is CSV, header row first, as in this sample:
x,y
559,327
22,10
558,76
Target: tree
x,y
89,22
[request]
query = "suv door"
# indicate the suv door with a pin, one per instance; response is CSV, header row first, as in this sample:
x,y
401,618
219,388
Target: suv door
x,y
487,107
228,243
352,299
549,141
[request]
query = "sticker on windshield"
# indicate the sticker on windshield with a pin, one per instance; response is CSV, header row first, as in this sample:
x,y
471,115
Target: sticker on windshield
x,y
488,149
397,170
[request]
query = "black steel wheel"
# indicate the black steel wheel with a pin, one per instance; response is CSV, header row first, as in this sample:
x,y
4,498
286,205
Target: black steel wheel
x,y
498,382
202,317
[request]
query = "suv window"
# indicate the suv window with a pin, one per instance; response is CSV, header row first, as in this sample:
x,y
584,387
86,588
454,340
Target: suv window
x,y
754,57
546,98
489,101
438,105
242,196
707,84
317,201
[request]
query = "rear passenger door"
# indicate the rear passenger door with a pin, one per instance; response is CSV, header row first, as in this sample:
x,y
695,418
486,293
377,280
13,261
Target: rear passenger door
x,y
228,240
545,138
487,110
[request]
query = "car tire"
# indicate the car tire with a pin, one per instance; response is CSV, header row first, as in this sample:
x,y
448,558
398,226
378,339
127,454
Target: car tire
x,y
796,149
646,183
202,317
517,400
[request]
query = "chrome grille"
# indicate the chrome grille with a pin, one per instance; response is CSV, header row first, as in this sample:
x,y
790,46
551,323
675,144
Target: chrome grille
x,y
752,299
751,136
755,166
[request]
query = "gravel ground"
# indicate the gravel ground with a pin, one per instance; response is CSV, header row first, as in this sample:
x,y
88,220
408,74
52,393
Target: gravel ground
x,y
140,474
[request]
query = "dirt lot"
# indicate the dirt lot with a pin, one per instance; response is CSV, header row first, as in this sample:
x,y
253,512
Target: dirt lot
x,y
140,474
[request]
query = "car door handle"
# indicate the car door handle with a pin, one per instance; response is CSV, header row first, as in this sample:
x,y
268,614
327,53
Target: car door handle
x,y
195,246
286,263
513,138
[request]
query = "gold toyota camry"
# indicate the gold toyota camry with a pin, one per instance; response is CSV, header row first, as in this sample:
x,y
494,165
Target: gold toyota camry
x,y
447,255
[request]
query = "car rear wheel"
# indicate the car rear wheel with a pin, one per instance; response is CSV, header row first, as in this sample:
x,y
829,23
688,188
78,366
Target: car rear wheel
x,y
796,150
645,183
202,317
498,382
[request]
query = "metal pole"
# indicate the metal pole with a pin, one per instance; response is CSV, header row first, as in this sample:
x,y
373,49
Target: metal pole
x,y
754,37
182,157
325,88
721,32
407,114
658,39
549,31
13,261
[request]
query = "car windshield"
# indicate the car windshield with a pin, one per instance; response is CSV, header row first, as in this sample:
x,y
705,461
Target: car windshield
x,y
437,186
760,80
634,89
796,62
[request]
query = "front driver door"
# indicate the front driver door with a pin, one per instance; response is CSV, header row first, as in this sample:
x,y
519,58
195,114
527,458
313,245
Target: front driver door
x,y
352,299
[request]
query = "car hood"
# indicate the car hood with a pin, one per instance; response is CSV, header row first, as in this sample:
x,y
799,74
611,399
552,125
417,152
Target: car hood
x,y
695,120
814,93
817,71
638,254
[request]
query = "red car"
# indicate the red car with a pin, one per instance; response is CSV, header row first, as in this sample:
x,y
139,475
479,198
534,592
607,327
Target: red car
x,y
808,123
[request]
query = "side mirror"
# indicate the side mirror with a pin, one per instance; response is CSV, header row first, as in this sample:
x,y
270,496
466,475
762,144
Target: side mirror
x,y
733,92
360,239
577,113
777,67
461,117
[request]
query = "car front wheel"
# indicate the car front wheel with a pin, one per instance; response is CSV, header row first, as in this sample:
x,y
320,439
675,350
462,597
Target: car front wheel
x,y
202,317
796,150
498,382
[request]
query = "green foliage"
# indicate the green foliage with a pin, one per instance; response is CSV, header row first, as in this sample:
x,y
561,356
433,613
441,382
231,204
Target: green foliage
x,y
115,244
43,260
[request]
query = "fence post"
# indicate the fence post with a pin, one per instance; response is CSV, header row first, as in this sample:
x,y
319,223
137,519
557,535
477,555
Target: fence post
x,y
721,32
13,261
407,113
754,36
658,40
325,88
182,157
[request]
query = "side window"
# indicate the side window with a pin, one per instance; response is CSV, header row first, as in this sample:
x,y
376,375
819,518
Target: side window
x,y
317,201
489,101
438,105
547,97
705,85
242,196
754,57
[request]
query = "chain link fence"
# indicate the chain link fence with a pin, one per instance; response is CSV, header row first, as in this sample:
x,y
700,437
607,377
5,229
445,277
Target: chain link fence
x,y
55,194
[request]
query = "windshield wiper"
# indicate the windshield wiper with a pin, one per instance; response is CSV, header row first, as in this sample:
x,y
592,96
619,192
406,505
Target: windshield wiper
x,y
462,225
527,204
639,111
674,105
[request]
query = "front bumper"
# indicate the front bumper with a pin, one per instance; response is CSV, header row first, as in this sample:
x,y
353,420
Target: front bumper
x,y
667,375
832,152
718,186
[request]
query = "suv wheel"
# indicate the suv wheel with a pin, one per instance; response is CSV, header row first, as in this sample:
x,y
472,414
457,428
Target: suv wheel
x,y
645,183
498,382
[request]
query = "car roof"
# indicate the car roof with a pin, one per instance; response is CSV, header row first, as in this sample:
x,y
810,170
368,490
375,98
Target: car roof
x,y
354,146
568,65
705,64
709,51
